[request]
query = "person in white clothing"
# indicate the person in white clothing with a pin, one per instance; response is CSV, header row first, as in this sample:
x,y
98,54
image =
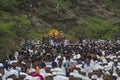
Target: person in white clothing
x,y
87,67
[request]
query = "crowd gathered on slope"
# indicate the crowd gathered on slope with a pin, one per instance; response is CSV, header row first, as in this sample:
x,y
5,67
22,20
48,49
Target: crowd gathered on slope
x,y
63,59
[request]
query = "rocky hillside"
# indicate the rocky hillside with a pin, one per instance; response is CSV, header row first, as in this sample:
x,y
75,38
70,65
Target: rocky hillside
x,y
74,17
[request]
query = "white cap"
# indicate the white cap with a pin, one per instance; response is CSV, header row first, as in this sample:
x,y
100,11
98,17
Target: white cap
x,y
60,73
106,68
119,51
110,64
22,73
118,57
32,70
103,52
31,78
48,74
12,72
118,64
28,77
65,78
115,60
99,63
107,56
9,79
77,75
94,77
107,73
35,78
12,62
53,73
59,57
83,70
104,61
112,57
60,78
1,65
115,74
95,68
118,67
56,70
23,63
79,66
48,66
75,71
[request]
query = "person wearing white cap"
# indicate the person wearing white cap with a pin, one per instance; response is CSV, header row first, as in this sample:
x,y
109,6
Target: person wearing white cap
x,y
60,60
79,72
97,70
43,72
58,73
94,77
115,65
23,66
107,76
76,55
114,75
31,71
87,67
13,65
79,63
12,74
56,70
49,76
57,58
23,75
93,61
76,74
104,61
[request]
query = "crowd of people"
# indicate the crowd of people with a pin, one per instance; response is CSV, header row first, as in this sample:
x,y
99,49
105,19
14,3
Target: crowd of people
x,y
63,59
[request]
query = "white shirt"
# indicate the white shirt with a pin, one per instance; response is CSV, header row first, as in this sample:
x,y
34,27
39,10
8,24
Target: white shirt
x,y
51,42
88,68
43,72
118,78
4,77
99,78
16,55
59,77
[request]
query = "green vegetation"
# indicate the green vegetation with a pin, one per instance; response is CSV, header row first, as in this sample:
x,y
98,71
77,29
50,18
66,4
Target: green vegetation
x,y
76,18
8,5
98,28
11,27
